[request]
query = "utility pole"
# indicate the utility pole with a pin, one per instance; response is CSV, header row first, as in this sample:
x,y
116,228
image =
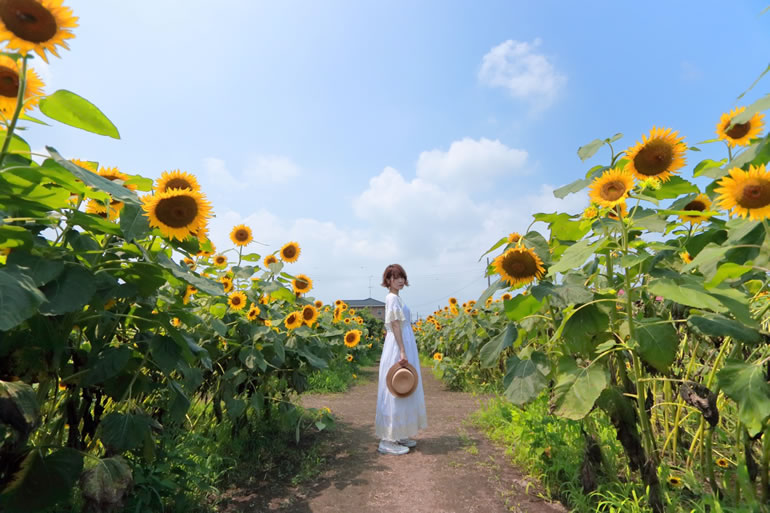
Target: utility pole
x,y
485,272
370,285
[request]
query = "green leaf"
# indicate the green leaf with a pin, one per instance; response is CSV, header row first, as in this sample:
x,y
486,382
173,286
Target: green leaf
x,y
589,150
581,328
713,325
760,75
539,245
166,353
124,431
525,379
490,352
576,255
745,383
19,407
758,106
183,273
658,342
218,310
688,293
41,270
108,364
91,179
17,146
42,481
727,271
576,186
284,294
133,223
19,298
675,186
69,108
577,388
566,294
252,358
14,237
106,481
521,306
69,292
313,360
494,287
708,167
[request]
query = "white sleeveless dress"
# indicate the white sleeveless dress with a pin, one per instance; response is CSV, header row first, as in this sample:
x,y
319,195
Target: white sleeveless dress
x,y
399,417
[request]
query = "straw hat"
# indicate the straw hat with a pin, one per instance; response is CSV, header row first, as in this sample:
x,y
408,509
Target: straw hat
x,y
402,379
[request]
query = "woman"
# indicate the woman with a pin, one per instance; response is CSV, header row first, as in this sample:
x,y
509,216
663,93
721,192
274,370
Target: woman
x,y
398,418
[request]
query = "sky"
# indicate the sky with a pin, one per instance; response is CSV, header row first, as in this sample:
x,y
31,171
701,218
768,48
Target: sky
x,y
380,132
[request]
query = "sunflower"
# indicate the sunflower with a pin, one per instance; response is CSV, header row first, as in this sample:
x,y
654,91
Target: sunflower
x,y
519,266
85,164
176,180
290,252
352,338
175,322
293,320
189,262
205,252
611,188
98,208
220,261
506,297
618,209
685,256
438,357
237,300
452,300
700,203
253,313
347,320
227,283
674,481
318,303
746,193
264,300
9,87
590,212
301,284
741,133
352,311
241,235
268,323
514,237
338,302
344,306
309,314
659,154
177,213
36,25
722,463
270,259
349,357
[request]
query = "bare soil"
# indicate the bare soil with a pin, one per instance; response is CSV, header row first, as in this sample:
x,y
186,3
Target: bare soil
x,y
454,467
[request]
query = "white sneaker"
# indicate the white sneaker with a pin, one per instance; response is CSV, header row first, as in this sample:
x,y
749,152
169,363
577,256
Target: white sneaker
x,y
407,442
388,447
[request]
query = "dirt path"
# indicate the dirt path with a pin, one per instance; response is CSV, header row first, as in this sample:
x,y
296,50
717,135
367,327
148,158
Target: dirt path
x,y
454,468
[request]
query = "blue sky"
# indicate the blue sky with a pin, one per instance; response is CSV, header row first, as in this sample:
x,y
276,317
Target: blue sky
x,y
411,132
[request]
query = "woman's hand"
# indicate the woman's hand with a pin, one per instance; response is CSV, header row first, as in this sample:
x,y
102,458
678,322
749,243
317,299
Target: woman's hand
x,y
403,357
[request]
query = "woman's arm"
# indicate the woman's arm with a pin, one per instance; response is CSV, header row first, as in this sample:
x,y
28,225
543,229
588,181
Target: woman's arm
x,y
395,326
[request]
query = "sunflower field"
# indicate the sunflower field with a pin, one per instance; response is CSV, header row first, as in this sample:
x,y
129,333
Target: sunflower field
x,y
647,311
122,327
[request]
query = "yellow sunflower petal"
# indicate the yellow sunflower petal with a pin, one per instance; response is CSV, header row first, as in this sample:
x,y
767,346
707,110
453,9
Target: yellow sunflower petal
x,y
241,235
302,284
611,188
177,180
10,73
36,25
746,193
177,213
290,252
659,155
519,266
237,300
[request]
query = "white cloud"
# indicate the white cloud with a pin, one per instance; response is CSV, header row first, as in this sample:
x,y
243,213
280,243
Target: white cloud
x,y
527,75
272,169
471,163
215,173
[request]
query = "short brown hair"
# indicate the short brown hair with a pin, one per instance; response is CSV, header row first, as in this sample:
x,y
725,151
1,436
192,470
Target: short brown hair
x,y
393,271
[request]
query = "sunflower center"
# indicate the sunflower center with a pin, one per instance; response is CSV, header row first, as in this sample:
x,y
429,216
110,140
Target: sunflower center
x,y
695,205
654,158
242,235
739,130
520,265
755,193
177,211
9,82
289,252
178,183
28,20
301,284
307,314
236,300
613,191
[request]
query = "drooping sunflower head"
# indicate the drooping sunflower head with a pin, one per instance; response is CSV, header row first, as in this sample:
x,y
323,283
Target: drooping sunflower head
x,y
270,259
237,300
514,237
746,193
740,134
220,261
36,25
302,284
318,303
660,154
293,320
519,266
352,338
701,203
177,213
177,180
241,235
253,313
290,252
309,314
438,357
10,74
611,188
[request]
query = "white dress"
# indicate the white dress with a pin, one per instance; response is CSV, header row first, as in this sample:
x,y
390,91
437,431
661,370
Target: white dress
x,y
399,417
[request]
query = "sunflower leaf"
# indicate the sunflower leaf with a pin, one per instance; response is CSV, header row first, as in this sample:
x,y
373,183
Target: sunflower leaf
x,y
589,150
576,255
704,166
758,106
576,186
69,108
577,388
115,190
42,480
17,145
675,186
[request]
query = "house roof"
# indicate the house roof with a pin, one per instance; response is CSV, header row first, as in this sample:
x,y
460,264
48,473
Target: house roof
x,y
361,303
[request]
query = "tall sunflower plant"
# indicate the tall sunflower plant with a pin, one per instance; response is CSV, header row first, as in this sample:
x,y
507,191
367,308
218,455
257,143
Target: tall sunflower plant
x,y
118,311
652,306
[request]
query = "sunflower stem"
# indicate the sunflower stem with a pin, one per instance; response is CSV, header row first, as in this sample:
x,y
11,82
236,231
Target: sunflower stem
x,y
17,112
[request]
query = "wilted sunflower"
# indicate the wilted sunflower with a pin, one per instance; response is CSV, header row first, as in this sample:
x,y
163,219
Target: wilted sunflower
x,y
519,266
514,237
611,188
237,300
290,252
220,261
293,320
177,213
352,338
722,462
349,357
10,72
253,313
741,133
241,235
659,154
270,259
701,203
177,180
36,25
746,193
302,284
438,357
309,314
318,303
